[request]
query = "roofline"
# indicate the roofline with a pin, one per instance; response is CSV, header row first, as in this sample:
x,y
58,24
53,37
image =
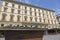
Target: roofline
x,y
28,5
58,15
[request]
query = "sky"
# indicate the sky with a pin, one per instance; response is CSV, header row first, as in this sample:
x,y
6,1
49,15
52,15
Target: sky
x,y
50,4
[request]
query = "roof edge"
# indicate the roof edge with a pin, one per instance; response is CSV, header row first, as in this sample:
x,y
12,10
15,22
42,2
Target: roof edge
x,y
29,5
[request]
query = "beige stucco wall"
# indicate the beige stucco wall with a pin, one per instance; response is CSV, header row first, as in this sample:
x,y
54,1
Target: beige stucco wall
x,y
51,14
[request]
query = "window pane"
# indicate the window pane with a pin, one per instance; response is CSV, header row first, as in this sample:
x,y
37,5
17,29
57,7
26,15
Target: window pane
x,y
18,6
18,11
18,18
6,4
12,5
5,9
11,18
12,10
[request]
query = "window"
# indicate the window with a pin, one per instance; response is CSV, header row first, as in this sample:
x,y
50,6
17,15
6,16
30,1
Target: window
x,y
25,25
39,14
30,13
6,4
35,13
40,19
18,18
35,19
52,21
35,10
2,24
3,17
25,18
30,18
30,25
18,11
5,9
39,10
48,22
44,20
12,10
25,12
55,21
10,25
25,8
43,15
12,5
11,17
18,6
47,15
17,25
30,9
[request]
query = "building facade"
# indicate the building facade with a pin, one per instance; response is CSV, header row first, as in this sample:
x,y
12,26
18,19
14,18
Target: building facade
x,y
16,14
21,16
58,18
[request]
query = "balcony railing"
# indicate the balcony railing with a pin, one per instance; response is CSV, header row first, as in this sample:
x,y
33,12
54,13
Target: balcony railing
x,y
23,27
29,27
56,26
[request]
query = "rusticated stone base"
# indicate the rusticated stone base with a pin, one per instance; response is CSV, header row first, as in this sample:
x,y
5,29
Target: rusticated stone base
x,y
24,35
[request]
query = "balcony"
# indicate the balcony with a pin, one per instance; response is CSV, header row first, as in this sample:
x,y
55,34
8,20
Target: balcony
x,y
23,27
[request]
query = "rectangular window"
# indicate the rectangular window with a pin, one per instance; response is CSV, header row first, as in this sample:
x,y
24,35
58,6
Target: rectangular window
x,y
5,9
35,19
18,18
2,25
6,4
52,21
11,18
43,15
3,17
30,18
35,10
25,12
18,6
25,8
30,13
39,11
39,14
47,16
35,13
44,20
48,21
30,9
18,11
12,5
25,18
55,21
12,10
40,19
